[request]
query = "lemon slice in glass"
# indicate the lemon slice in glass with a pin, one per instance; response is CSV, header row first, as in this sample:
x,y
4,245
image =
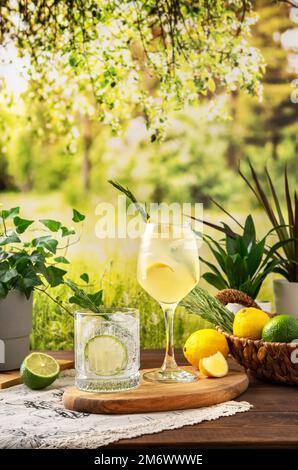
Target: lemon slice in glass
x,y
159,266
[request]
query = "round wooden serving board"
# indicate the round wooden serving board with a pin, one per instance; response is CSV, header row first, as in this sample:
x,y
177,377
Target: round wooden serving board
x,y
151,396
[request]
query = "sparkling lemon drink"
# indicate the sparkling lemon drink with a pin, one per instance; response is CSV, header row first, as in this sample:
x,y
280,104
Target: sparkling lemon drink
x,y
168,269
170,280
107,347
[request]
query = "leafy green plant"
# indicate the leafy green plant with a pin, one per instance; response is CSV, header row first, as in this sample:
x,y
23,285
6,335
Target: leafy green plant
x,y
37,264
285,223
243,263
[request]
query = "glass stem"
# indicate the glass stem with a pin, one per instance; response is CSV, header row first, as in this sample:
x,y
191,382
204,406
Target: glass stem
x,y
169,363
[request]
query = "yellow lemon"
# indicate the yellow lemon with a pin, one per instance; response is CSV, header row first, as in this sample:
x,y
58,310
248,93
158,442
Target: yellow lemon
x,y
214,366
249,323
204,343
159,266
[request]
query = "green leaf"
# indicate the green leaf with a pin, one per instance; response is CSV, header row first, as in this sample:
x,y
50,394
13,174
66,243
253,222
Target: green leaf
x,y
46,242
220,255
6,214
231,245
83,299
31,281
85,277
96,298
36,256
240,271
249,234
214,280
23,263
28,281
55,275
6,276
4,265
3,291
77,301
66,231
11,238
274,248
21,224
77,216
51,224
242,247
212,267
255,256
61,259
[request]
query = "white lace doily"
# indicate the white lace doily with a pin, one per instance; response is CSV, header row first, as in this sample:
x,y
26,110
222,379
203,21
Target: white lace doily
x,y
37,419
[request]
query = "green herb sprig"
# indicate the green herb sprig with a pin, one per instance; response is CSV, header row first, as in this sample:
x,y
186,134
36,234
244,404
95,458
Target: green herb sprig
x,y
209,308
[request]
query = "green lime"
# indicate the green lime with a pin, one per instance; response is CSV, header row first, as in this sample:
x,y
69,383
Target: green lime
x,y
282,328
39,370
106,355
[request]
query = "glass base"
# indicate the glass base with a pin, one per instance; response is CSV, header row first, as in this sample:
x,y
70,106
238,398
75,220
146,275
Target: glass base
x,y
170,376
108,385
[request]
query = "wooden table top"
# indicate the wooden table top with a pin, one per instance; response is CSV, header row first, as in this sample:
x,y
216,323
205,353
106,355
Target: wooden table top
x,y
272,422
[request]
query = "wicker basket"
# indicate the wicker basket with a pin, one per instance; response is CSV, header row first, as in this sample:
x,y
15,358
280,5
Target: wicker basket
x,y
265,360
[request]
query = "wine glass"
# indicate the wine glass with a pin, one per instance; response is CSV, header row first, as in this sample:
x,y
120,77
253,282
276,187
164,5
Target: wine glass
x,y
168,269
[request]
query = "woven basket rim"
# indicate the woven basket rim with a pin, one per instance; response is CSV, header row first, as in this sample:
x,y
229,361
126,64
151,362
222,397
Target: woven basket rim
x,y
257,342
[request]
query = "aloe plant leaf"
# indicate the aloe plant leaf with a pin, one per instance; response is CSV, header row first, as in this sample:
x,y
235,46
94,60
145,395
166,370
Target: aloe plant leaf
x,y
242,248
273,249
249,233
289,204
228,268
261,193
226,212
254,257
231,244
214,269
240,269
296,234
275,198
282,230
219,255
251,289
216,227
283,272
214,280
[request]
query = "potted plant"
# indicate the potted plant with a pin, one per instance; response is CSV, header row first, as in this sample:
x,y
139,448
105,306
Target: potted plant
x,y
243,263
29,264
285,224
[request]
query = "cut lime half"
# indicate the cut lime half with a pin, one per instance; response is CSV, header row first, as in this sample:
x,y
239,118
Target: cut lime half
x,y
106,355
39,370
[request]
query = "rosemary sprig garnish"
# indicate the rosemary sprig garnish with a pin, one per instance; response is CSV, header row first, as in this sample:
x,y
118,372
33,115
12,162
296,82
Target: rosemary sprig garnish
x,y
209,308
141,207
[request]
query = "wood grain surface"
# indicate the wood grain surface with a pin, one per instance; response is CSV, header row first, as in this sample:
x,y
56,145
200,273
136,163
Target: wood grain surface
x,y
151,396
271,423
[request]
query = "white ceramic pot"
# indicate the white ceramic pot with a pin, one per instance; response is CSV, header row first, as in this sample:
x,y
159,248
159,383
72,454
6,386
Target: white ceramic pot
x,y
263,304
15,328
286,297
